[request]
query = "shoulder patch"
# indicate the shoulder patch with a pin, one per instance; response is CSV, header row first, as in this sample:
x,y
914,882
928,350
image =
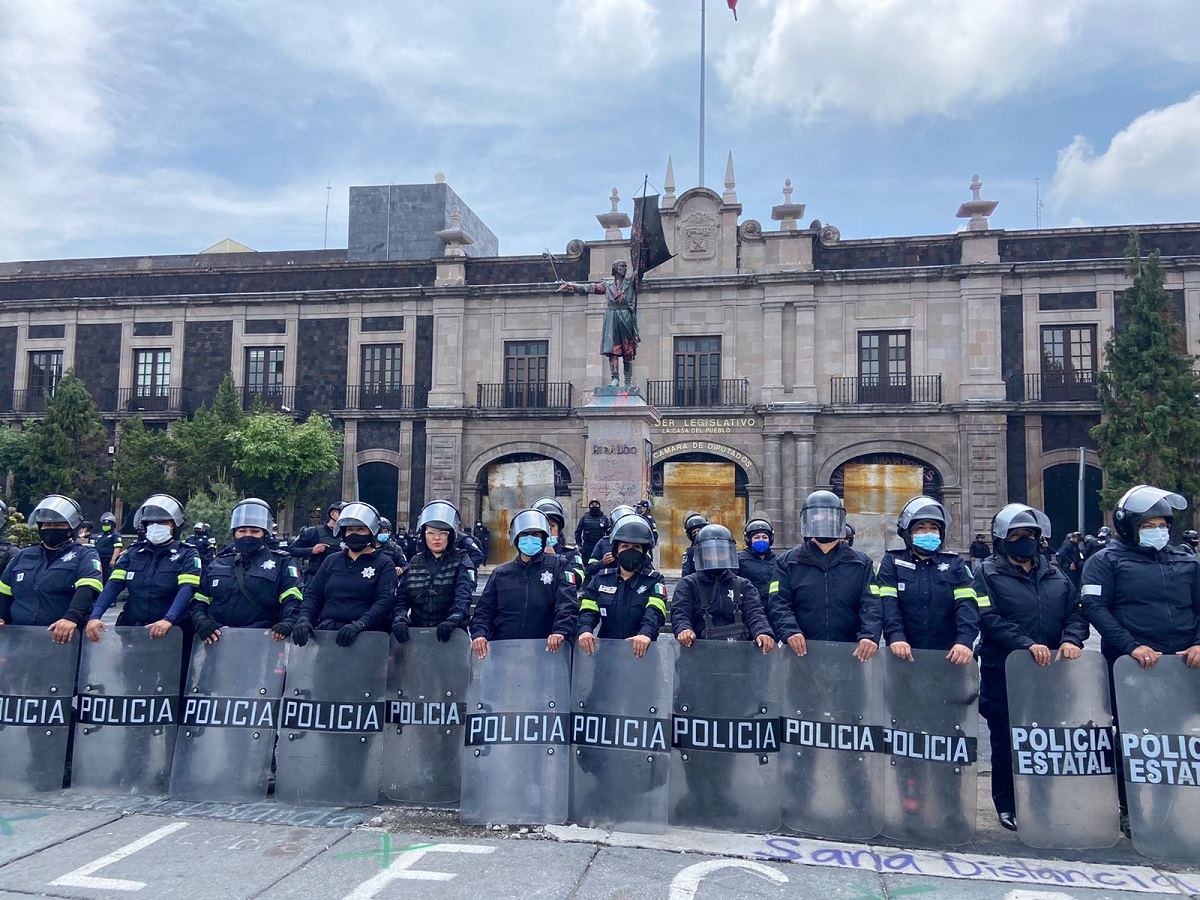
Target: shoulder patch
x,y
660,589
96,565
470,573
292,571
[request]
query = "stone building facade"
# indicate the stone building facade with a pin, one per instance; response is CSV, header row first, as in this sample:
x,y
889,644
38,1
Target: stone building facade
x,y
780,360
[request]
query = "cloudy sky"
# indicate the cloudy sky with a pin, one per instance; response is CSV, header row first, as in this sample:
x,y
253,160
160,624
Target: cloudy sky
x,y
135,127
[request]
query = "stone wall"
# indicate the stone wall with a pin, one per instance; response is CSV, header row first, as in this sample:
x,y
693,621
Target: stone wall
x,y
207,357
321,348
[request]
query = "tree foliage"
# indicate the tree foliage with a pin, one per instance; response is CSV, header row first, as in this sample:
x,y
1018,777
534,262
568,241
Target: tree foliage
x,y
1150,431
67,452
12,457
200,446
214,506
141,462
282,460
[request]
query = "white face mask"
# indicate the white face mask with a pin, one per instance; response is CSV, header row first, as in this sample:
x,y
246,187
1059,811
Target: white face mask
x,y
1154,537
158,534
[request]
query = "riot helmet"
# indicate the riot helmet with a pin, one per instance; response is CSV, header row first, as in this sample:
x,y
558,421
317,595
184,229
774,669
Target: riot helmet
x,y
621,510
642,506
528,520
922,509
1143,502
358,513
1191,537
848,534
632,529
1104,533
1020,515
823,516
385,525
759,525
55,509
552,510
335,507
440,514
108,519
160,508
715,549
251,513
693,523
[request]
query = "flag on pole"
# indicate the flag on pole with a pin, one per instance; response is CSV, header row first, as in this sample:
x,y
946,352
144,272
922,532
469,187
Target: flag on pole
x,y
733,8
647,242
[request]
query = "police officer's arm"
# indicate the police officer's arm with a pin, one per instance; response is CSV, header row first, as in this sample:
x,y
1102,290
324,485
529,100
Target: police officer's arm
x,y
589,609
655,613
6,597
753,612
464,591
779,606
87,586
302,546
290,596
997,628
566,603
1097,593
314,596
485,611
887,586
112,588
400,612
689,563
596,561
870,611
117,549
1075,628
966,606
579,532
187,581
577,566
685,616
473,549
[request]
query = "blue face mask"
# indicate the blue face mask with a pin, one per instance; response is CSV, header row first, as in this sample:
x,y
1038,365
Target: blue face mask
x,y
383,538
552,541
760,546
529,545
927,542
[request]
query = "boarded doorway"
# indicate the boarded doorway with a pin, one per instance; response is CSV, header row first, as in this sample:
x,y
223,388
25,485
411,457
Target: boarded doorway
x,y
711,488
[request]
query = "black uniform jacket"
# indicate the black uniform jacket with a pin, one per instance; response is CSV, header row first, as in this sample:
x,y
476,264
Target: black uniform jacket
x,y
929,601
613,607
436,589
825,596
268,577
759,569
528,600
346,590
701,588
1018,609
41,586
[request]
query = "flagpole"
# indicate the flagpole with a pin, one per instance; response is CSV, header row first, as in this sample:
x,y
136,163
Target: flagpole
x,y
702,5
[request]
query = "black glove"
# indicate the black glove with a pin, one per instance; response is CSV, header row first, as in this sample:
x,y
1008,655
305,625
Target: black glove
x,y
446,630
206,627
283,629
301,632
348,634
400,632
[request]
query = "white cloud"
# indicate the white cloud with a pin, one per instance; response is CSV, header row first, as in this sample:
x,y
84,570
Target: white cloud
x,y
618,37
1150,169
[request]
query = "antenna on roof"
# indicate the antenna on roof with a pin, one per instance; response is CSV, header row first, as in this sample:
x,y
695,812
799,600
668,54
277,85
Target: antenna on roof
x,y
1037,188
328,191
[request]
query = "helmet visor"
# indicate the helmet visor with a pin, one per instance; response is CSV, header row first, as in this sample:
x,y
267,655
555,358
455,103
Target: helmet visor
x,y
822,522
715,555
439,514
1138,500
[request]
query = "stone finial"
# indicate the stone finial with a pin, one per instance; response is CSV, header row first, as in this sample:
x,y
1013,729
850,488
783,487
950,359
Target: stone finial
x,y
787,212
454,237
613,221
668,199
439,178
455,216
730,195
976,209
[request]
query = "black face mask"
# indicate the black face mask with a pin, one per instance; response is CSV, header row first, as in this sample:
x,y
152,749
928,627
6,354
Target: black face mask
x,y
53,538
631,559
1022,549
248,544
357,542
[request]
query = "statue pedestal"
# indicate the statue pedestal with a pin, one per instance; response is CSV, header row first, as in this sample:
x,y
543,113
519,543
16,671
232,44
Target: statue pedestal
x,y
618,453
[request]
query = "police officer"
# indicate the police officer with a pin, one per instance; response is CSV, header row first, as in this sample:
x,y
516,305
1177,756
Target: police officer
x,y
716,597
483,537
602,556
1091,548
1190,542
628,600
691,527
928,599
1025,605
55,582
354,590
435,590
824,589
531,597
389,547
1070,556
980,549
108,545
642,508
251,586
159,572
83,534
8,550
758,561
203,543
592,526
314,541
556,544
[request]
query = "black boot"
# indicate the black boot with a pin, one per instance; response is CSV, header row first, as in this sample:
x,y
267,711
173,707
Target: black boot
x,y
628,373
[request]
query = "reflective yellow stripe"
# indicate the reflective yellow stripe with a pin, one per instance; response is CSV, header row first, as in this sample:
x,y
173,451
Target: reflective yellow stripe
x,y
203,598
291,592
89,582
886,591
983,601
5,589
657,603
588,605
964,593
876,591
185,578
118,574
774,588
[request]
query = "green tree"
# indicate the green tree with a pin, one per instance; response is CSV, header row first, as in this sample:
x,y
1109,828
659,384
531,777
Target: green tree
x,y
142,461
12,456
213,506
200,446
67,452
283,461
1150,431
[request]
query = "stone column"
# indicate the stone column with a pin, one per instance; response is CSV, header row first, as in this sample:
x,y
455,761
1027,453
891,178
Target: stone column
x,y
349,460
785,527
772,350
806,477
772,477
805,350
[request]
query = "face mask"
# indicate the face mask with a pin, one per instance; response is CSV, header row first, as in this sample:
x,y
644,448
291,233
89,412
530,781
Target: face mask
x,y
383,538
158,534
927,542
631,559
53,538
1022,549
248,544
760,546
357,542
1154,537
552,541
106,528
529,545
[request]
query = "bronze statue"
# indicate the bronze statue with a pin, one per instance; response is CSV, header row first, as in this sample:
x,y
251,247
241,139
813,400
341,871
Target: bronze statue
x,y
620,338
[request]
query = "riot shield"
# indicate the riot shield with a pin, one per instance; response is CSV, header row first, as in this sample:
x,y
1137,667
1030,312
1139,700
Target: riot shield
x,y
516,766
1064,772
228,718
1158,711
331,722
37,679
128,712
621,736
426,712
831,754
932,742
725,738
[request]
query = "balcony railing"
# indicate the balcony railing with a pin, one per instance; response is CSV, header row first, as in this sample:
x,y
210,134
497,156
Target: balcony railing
x,y
372,396
888,389
1052,387
30,400
151,400
272,396
524,395
699,392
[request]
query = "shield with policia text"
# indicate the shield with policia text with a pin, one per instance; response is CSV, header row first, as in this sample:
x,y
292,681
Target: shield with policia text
x,y
516,762
931,740
331,721
621,736
725,771
37,681
228,717
1064,770
426,715
831,742
1158,712
128,712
